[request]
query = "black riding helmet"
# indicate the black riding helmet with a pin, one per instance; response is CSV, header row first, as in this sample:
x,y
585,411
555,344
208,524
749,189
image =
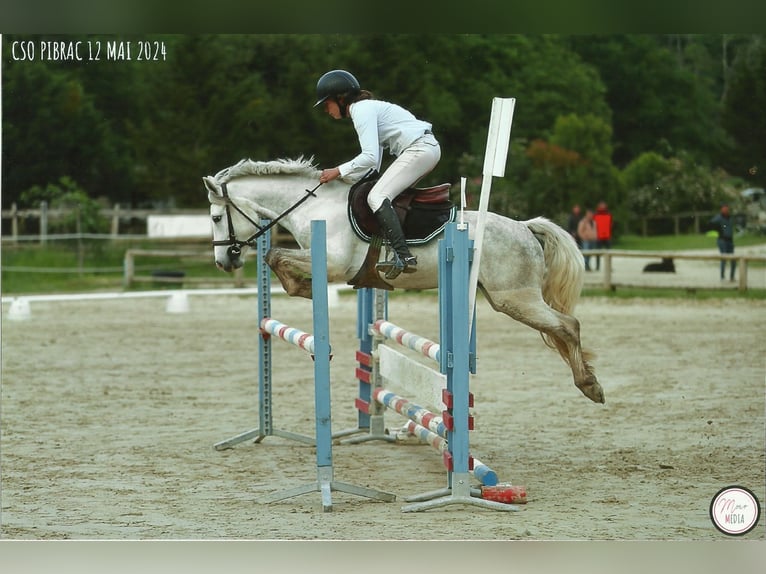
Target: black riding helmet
x,y
336,83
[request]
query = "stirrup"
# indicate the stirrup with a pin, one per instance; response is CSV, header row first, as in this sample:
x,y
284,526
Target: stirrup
x,y
410,264
393,267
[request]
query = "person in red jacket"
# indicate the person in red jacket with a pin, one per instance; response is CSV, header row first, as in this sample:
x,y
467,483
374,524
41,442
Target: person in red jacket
x,y
604,222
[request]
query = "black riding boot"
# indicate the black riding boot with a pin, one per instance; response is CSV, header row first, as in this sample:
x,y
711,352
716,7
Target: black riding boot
x,y
403,260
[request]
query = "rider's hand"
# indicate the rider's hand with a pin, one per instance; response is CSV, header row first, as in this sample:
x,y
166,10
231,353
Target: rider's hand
x,y
329,174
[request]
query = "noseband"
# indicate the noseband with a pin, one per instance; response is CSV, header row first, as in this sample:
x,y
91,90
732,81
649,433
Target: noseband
x,y
235,245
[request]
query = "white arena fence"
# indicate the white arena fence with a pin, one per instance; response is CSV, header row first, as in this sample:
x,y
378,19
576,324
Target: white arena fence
x,y
20,307
191,251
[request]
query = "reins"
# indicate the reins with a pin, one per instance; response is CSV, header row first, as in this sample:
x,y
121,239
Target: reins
x,y
235,245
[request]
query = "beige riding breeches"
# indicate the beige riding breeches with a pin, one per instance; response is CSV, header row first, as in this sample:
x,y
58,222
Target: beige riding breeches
x,y
406,170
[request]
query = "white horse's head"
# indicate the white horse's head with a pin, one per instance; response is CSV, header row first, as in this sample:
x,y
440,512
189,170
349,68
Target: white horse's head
x,y
236,216
233,225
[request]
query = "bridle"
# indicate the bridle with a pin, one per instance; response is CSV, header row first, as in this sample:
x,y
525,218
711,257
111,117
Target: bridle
x,y
235,245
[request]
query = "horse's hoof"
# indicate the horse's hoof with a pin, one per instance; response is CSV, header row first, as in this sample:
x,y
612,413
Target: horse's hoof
x,y
306,293
300,289
593,391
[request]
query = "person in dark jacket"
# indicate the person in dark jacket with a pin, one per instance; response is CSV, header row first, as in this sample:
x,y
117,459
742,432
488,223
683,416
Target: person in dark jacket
x,y
574,220
724,225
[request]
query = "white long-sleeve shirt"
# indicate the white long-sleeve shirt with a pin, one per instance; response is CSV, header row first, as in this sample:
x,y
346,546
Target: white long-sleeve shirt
x,y
380,125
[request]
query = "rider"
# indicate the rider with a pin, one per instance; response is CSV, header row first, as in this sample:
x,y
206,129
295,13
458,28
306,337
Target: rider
x,y
379,125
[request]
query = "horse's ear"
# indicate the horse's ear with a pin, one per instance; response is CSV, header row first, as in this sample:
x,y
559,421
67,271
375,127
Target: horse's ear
x,y
212,187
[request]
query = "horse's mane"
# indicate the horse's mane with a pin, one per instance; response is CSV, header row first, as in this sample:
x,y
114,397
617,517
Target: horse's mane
x,y
245,167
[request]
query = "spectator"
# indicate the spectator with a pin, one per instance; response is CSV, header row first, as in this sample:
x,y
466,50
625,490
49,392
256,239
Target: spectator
x,y
604,222
725,227
574,220
587,232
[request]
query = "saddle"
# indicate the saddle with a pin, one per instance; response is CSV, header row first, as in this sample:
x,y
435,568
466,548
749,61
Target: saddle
x,y
422,212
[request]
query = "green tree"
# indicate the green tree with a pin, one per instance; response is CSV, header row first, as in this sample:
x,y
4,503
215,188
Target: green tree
x,y
743,113
573,166
137,131
51,128
84,212
553,172
657,103
596,178
644,179
462,76
221,99
664,186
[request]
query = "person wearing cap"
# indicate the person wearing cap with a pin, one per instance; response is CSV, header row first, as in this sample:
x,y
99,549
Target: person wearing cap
x,y
723,223
380,125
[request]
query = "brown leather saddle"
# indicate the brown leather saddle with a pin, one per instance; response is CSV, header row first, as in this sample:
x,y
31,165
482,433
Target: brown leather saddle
x,y
423,213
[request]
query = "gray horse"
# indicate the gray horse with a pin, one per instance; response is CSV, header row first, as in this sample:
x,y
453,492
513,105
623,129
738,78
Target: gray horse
x,y
530,270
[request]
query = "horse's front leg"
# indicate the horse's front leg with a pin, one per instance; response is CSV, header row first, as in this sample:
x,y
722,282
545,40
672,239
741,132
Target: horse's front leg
x,y
293,268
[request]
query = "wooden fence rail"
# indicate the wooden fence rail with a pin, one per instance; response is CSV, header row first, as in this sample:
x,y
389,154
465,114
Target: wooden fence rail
x,y
698,218
608,255
114,214
129,276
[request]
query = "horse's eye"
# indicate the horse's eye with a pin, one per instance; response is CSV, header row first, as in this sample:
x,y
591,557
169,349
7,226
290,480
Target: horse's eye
x,y
217,219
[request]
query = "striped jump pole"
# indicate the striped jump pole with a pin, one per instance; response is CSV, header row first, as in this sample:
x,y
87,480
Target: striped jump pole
x,y
371,305
431,429
481,471
289,334
410,410
408,339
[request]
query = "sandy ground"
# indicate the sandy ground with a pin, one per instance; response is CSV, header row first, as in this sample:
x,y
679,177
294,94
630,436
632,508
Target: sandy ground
x,y
110,410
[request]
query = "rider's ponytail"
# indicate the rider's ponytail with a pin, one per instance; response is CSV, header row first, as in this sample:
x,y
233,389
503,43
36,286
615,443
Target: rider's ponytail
x,y
345,100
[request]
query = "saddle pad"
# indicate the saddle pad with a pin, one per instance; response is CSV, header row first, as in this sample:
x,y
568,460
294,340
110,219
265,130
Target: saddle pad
x,y
421,220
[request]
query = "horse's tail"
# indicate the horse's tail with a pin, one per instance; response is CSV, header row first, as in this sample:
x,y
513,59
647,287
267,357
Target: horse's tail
x,y
564,267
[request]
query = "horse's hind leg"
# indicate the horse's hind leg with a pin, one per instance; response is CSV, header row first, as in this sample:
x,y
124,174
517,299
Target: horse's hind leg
x,y
293,269
559,330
